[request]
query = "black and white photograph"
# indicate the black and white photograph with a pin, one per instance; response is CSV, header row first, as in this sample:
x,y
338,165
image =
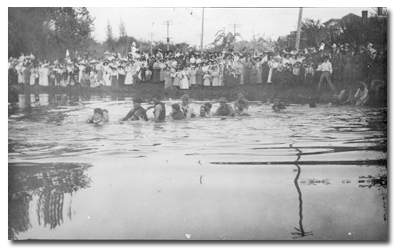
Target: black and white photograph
x,y
198,123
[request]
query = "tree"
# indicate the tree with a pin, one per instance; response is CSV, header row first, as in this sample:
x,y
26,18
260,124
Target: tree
x,y
122,29
110,38
314,32
47,32
223,40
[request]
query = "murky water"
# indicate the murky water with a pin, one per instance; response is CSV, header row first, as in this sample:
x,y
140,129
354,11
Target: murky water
x,y
304,174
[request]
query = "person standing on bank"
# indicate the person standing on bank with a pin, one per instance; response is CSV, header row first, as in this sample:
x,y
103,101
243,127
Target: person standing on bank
x,y
326,69
187,109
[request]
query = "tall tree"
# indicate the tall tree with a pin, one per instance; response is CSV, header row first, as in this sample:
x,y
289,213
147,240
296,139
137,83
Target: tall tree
x,y
314,31
47,32
110,37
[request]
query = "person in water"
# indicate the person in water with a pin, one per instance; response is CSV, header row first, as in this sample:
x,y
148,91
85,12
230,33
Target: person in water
x,y
187,109
177,113
159,109
100,116
224,108
241,105
205,110
137,113
361,97
278,105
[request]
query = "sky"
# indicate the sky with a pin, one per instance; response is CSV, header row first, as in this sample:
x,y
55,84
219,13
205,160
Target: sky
x,y
186,22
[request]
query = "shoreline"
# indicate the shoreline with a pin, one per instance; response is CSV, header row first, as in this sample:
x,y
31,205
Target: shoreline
x,y
253,92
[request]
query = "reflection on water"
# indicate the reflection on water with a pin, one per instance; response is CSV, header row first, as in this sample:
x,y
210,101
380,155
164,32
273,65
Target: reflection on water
x,y
50,186
311,174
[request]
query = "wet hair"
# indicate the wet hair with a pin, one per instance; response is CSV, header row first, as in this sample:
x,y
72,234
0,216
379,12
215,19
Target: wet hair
x,y
157,96
98,111
175,106
137,100
207,104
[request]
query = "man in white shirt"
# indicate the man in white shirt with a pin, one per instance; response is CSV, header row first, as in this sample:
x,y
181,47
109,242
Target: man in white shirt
x,y
326,68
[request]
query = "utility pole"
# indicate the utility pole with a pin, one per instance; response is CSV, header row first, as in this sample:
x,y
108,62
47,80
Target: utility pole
x,y
202,33
168,23
299,28
234,27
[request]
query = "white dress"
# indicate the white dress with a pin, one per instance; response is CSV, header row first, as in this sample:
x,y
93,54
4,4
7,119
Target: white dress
x,y
129,76
184,84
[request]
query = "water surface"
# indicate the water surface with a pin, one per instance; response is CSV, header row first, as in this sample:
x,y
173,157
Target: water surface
x,y
303,174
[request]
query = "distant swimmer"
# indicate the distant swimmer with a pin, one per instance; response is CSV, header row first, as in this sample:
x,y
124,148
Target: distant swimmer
x,y
177,113
100,116
137,113
241,105
224,108
205,110
278,105
159,109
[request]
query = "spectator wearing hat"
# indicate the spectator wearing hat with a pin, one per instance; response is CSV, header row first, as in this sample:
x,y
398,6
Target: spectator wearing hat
x,y
207,79
129,69
137,113
238,69
199,75
326,69
162,66
114,77
156,71
192,75
176,76
224,108
121,74
168,82
215,74
148,74
336,66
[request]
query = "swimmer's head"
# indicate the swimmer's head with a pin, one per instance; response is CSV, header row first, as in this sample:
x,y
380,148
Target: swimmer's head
x,y
137,102
185,99
98,114
98,111
175,107
240,94
207,106
156,98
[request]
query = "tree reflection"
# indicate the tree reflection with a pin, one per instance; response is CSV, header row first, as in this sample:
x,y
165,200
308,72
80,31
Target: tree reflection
x,y
49,183
300,232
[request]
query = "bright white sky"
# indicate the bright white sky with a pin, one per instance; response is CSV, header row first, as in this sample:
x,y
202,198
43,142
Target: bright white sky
x,y
186,22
